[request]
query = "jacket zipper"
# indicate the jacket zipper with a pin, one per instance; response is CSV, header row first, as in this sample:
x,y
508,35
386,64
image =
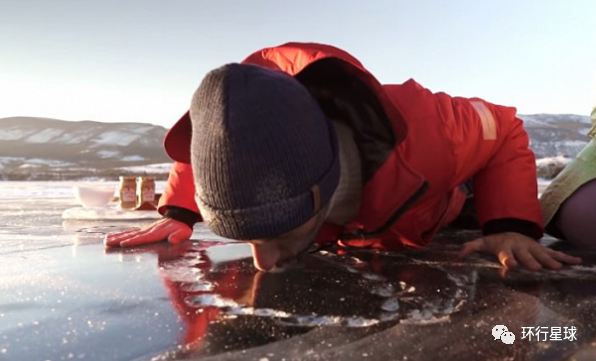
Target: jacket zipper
x,y
394,217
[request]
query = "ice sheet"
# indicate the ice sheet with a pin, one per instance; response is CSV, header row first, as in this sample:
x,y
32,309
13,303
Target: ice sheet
x,y
66,297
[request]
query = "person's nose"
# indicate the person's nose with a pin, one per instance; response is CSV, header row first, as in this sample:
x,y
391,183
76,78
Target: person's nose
x,y
265,255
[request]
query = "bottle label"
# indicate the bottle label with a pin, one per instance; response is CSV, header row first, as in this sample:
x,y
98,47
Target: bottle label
x,y
147,195
128,195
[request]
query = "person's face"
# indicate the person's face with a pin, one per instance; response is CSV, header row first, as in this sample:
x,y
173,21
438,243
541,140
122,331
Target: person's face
x,y
275,252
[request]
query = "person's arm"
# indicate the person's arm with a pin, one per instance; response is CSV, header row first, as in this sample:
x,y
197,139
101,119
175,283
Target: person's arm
x,y
496,146
178,198
506,189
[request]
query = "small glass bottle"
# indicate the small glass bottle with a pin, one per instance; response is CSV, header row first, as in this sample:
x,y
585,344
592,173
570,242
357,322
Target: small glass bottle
x,y
128,188
145,190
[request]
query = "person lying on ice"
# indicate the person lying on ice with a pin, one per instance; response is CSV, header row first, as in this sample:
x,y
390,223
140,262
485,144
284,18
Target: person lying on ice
x,y
299,143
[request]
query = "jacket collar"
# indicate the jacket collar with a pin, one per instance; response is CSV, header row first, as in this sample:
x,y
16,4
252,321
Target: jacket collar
x,y
290,58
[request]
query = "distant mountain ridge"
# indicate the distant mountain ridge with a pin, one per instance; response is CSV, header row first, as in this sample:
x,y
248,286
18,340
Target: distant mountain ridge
x,y
42,148
553,135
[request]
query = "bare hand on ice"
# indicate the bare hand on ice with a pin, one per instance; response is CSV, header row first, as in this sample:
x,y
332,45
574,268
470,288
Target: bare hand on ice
x,y
165,229
514,248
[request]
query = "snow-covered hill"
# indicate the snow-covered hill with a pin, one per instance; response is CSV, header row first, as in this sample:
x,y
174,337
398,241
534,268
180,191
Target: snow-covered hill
x,y
41,148
553,135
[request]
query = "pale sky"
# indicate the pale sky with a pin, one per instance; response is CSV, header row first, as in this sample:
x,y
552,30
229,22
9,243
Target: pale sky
x,y
141,60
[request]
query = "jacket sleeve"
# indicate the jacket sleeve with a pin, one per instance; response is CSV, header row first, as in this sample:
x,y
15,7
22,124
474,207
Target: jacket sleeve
x,y
491,147
178,198
506,189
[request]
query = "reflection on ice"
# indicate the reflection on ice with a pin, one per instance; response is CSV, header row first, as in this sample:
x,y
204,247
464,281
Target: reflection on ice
x,y
330,289
391,305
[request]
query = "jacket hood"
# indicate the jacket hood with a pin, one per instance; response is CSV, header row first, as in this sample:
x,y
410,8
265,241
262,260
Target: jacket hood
x,y
292,58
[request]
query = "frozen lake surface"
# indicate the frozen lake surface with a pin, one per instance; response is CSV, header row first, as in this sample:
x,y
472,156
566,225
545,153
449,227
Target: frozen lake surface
x,y
63,297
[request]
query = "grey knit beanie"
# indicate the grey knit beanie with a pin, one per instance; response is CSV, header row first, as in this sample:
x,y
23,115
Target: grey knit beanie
x,y
264,156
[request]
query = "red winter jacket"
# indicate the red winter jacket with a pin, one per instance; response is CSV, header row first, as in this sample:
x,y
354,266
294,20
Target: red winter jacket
x,y
417,148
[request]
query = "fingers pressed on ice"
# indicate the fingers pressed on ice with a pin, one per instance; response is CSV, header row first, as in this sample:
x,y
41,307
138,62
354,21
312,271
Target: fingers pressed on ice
x,y
144,239
113,240
154,228
527,259
165,229
178,236
562,257
117,239
546,259
153,233
109,242
118,234
156,233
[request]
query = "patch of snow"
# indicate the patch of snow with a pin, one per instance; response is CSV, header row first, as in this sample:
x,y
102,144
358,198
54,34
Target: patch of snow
x,y
15,133
574,143
10,159
580,118
26,165
4,161
37,162
44,136
132,158
73,138
108,153
533,121
48,162
562,160
547,120
584,133
115,138
150,168
543,181
142,129
148,141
